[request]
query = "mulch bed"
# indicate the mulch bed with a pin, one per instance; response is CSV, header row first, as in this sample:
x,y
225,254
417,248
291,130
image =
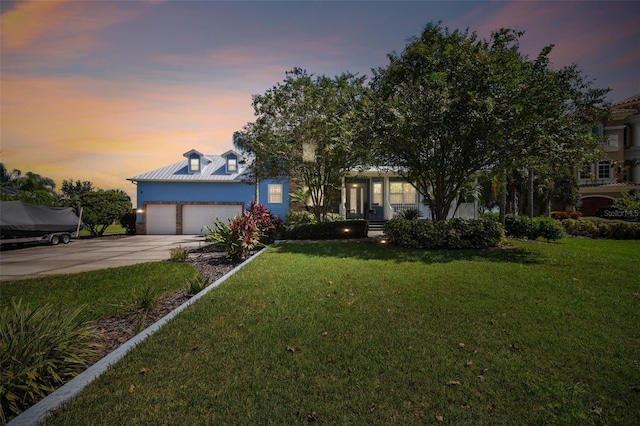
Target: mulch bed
x,y
114,331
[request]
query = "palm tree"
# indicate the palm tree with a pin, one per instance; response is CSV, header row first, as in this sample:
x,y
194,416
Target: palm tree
x,y
6,178
34,182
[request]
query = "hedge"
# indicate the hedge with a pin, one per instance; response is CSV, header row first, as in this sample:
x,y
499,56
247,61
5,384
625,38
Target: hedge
x,y
602,228
525,227
449,234
327,230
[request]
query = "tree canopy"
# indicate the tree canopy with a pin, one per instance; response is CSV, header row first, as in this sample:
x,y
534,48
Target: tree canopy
x,y
72,189
101,208
451,105
306,129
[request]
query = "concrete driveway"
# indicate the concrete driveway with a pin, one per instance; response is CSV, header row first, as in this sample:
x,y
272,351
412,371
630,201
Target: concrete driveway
x,y
82,255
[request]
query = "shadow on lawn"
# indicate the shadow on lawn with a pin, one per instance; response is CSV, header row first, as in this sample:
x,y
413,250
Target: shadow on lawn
x,y
373,250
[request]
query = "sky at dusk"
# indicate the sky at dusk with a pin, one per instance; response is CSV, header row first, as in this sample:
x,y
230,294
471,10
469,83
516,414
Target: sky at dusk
x,y
106,90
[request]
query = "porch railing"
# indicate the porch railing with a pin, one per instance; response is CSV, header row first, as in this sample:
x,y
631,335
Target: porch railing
x,y
394,210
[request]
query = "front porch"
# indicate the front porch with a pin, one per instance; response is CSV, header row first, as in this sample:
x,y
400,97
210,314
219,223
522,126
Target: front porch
x,y
380,197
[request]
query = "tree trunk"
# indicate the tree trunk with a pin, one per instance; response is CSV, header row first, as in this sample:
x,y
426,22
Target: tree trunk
x,y
503,199
531,172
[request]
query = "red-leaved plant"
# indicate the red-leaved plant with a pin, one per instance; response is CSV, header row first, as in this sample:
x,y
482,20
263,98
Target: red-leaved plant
x,y
255,228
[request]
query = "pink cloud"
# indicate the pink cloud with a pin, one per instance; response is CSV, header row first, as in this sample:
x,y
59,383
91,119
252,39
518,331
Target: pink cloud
x,y
58,28
578,33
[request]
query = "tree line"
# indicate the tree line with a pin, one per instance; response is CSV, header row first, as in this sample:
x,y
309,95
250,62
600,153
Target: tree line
x,y
100,208
450,112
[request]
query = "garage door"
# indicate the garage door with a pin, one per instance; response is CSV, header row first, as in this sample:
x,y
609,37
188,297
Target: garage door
x,y
194,217
161,219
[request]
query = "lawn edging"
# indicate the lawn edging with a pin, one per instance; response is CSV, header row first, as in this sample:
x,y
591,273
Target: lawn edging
x,y
36,413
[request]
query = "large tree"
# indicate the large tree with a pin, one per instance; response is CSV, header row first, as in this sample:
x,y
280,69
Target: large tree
x,y
452,104
101,208
306,129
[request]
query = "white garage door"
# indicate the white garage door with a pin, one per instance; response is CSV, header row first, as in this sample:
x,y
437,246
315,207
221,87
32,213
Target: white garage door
x,y
194,217
161,219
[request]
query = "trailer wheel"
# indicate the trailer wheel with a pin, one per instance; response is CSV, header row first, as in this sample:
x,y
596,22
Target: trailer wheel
x,y
54,240
65,238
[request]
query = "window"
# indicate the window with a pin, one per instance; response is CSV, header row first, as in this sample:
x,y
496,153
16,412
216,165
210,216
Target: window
x,y
402,193
194,164
585,171
604,170
232,165
275,193
377,193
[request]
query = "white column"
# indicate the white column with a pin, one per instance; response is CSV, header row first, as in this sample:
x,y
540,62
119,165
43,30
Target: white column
x,y
343,198
388,213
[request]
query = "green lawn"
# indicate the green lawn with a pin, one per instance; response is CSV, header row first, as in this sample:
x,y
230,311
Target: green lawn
x,y
345,333
111,230
104,292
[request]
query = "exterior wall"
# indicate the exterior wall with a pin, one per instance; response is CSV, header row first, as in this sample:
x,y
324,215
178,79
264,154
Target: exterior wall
x,y
209,193
194,192
278,209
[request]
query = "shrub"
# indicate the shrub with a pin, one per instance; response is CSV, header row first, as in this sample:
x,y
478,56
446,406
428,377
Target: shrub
x,y
294,218
548,228
266,223
245,233
602,228
128,222
145,298
327,230
449,234
525,227
197,284
334,217
409,214
563,215
40,348
178,254
493,216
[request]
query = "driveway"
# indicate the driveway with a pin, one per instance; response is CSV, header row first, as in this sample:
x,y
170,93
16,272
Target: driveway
x,y
82,255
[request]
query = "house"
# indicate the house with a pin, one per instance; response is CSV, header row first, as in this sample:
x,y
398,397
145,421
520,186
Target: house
x,y
379,195
183,197
602,182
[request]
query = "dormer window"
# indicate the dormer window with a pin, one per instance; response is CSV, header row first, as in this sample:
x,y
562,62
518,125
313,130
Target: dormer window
x,y
194,164
232,164
195,161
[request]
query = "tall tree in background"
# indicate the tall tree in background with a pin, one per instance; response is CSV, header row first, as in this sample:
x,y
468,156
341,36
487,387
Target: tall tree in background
x,y
306,128
72,189
451,105
7,178
30,187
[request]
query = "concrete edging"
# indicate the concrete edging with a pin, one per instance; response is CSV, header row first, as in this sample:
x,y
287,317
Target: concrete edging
x,y
36,413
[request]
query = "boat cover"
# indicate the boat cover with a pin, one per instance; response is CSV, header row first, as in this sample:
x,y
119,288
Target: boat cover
x,y
20,219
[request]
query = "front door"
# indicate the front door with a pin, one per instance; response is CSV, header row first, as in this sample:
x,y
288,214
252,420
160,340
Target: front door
x,y
356,202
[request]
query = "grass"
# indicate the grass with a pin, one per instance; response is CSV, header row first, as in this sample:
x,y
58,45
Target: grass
x,y
104,292
111,230
343,333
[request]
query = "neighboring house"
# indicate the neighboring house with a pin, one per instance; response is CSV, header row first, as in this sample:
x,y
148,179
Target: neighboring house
x,y
602,183
378,195
183,197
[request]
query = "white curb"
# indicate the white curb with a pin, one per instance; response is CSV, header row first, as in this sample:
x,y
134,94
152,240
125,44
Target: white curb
x,y
36,413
